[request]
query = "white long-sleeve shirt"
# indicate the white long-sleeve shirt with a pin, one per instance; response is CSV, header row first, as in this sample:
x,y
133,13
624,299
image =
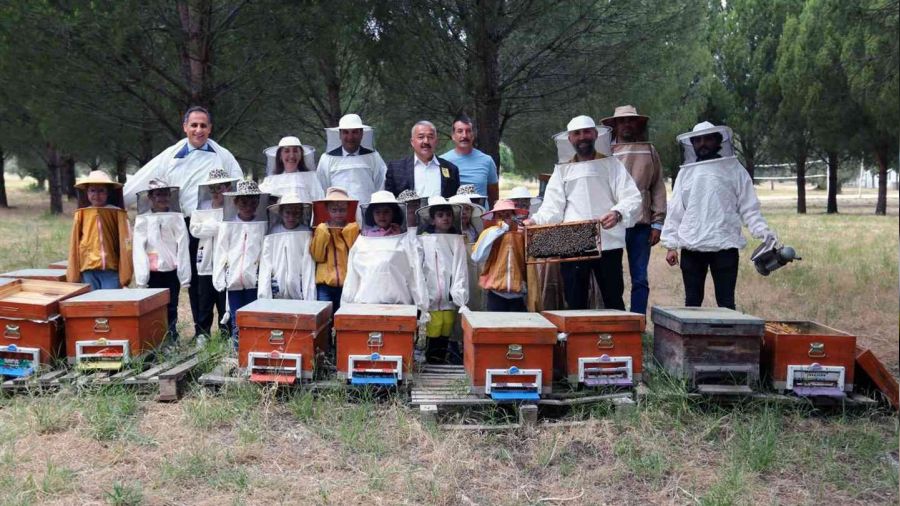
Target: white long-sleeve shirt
x,y
446,271
161,245
286,268
238,249
205,227
185,168
710,201
360,175
580,191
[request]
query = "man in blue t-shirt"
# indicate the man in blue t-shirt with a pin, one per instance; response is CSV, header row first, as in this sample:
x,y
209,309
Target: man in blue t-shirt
x,y
475,167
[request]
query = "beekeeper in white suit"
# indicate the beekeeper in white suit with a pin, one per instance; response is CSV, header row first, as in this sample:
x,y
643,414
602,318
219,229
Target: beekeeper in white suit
x,y
712,197
286,268
350,160
588,184
446,274
160,253
186,164
291,168
383,266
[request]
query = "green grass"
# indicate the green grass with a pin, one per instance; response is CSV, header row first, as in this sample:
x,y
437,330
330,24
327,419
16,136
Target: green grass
x,y
124,494
111,414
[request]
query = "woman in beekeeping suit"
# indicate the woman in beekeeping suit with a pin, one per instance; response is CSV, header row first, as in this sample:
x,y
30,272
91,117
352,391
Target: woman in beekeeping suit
x,y
290,168
712,197
383,266
239,247
446,273
161,257
205,227
286,269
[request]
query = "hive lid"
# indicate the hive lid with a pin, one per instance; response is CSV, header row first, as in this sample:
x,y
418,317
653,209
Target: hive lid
x,y
6,281
587,320
707,321
376,317
115,302
284,314
48,274
498,328
60,264
36,299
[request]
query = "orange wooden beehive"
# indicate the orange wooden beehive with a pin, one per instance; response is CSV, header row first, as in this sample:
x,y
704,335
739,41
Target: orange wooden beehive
x,y
375,343
808,358
600,347
42,274
508,356
32,327
281,339
107,328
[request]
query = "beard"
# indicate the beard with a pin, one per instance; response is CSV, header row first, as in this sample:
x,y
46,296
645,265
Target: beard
x,y
705,153
585,149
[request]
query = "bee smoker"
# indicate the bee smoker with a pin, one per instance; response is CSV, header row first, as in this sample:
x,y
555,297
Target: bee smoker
x,y
771,255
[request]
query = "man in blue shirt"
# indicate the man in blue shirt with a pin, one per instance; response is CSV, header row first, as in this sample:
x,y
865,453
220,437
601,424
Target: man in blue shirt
x,y
475,167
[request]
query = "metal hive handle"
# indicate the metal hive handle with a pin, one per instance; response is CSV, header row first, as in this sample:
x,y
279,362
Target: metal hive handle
x,y
515,352
816,350
12,332
101,324
276,337
376,340
605,341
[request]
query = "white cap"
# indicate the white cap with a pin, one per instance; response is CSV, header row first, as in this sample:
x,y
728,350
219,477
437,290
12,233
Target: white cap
x,y
580,122
290,140
350,122
383,197
519,192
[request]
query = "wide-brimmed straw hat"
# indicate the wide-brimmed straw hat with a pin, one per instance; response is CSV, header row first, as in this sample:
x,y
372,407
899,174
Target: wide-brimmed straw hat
x,y
97,177
503,205
159,184
219,176
624,111
469,191
289,199
336,194
408,195
245,187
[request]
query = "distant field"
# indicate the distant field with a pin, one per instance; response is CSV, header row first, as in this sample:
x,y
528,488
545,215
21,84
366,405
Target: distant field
x,y
249,446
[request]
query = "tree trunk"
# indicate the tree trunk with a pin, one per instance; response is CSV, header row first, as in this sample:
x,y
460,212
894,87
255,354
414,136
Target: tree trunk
x,y
750,160
196,50
881,159
801,183
3,202
146,144
833,164
487,82
121,164
54,178
68,178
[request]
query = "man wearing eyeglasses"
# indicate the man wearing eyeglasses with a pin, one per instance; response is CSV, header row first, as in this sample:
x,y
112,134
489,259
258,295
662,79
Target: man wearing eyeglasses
x,y
186,164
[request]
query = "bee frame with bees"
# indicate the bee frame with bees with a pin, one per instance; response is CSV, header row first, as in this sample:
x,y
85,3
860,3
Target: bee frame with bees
x,y
562,242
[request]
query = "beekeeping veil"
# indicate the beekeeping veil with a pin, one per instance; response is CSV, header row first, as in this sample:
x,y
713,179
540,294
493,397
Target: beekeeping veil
x,y
520,194
246,189
383,199
99,177
706,128
564,149
158,189
276,215
349,122
333,194
475,213
216,178
309,154
413,203
426,216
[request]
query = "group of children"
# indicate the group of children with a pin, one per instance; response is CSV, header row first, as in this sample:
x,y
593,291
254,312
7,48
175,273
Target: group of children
x,y
403,251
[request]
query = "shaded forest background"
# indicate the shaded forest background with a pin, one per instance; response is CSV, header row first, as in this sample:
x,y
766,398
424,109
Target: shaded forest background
x,y
809,84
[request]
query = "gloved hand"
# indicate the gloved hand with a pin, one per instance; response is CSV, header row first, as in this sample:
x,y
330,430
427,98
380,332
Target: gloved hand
x,y
463,309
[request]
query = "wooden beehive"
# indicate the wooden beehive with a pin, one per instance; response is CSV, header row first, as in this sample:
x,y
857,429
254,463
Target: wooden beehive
x,y
29,314
562,242
790,347
109,317
519,343
42,274
283,329
377,331
716,349
601,347
61,264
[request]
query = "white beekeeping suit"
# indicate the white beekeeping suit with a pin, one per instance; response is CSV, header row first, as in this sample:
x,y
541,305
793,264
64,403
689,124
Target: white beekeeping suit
x,y
186,168
361,173
286,268
304,182
445,258
239,242
587,190
160,237
206,219
384,266
711,199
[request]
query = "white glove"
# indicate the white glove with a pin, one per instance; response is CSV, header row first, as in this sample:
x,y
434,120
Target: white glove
x,y
464,309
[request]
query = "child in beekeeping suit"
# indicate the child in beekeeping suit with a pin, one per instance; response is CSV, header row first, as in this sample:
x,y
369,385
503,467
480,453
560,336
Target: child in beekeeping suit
x,y
161,258
383,266
100,243
502,249
522,199
239,246
446,273
336,232
286,269
205,227
471,227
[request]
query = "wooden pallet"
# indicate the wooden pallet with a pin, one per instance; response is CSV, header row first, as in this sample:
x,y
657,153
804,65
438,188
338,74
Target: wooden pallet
x,y
167,378
227,373
853,400
445,387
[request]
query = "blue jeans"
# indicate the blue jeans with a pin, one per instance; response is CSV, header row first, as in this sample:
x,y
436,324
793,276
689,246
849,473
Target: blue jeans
x,y
330,294
101,279
236,300
637,243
